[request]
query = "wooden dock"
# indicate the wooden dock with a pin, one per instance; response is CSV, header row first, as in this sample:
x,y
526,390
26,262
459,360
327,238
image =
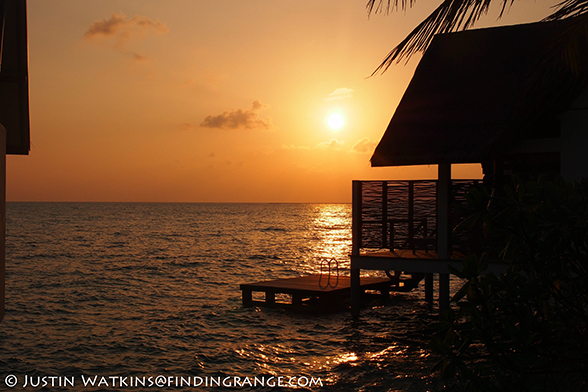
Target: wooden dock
x,y
320,292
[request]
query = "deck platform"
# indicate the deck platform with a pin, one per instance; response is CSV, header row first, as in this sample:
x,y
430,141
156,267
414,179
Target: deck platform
x,y
413,261
313,292
406,260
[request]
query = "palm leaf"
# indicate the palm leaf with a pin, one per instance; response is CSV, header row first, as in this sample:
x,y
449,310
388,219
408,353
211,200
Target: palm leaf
x,y
457,15
451,15
569,8
570,45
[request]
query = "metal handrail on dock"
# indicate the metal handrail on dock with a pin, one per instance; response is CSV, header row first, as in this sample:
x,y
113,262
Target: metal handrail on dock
x,y
326,265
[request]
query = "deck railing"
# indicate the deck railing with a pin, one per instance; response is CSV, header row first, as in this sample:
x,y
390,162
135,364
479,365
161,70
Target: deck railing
x,y
403,214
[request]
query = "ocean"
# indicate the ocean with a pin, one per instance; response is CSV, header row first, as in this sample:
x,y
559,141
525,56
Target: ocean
x,y
145,296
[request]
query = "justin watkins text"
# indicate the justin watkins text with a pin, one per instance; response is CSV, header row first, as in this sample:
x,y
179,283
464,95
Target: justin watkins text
x,y
161,381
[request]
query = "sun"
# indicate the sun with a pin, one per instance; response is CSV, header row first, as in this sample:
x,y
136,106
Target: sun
x,y
335,121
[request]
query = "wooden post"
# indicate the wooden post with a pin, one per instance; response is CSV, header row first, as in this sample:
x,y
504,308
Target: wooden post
x,y
2,185
411,215
355,292
385,293
385,215
356,229
356,219
443,292
270,297
444,228
296,300
429,288
247,297
2,216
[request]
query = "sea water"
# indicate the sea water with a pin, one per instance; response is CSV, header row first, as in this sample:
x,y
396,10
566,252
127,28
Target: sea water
x,y
145,296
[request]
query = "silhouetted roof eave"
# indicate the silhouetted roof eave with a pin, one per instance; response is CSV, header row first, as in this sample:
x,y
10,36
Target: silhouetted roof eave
x,y
476,93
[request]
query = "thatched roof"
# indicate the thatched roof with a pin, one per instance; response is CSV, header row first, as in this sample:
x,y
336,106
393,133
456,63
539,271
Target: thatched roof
x,y
478,93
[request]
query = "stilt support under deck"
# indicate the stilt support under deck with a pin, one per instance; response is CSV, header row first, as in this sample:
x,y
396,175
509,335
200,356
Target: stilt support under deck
x,y
355,292
443,292
429,288
444,229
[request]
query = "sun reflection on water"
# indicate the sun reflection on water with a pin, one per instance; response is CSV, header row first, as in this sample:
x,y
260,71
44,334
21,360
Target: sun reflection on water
x,y
331,243
345,358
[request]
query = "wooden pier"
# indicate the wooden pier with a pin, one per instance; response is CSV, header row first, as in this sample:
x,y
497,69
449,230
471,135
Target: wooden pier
x,y
408,226
319,292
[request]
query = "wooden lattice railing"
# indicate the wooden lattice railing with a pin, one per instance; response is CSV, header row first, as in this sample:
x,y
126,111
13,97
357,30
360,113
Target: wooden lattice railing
x,y
403,214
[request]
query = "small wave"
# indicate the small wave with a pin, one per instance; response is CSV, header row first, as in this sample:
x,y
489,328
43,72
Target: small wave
x,y
263,257
271,228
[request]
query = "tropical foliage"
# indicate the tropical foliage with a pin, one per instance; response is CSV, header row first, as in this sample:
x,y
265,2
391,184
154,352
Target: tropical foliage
x,y
456,15
526,329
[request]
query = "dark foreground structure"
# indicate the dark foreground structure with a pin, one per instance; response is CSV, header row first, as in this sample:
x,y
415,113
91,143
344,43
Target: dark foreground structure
x,y
14,103
507,98
513,99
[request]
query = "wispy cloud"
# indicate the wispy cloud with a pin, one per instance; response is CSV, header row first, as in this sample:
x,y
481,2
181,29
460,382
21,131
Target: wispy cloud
x,y
363,146
239,118
119,31
340,94
333,144
293,147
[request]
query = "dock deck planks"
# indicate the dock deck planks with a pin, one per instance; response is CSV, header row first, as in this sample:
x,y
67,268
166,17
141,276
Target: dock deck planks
x,y
317,291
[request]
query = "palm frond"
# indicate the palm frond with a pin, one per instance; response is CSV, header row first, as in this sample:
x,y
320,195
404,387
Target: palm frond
x,y
451,15
570,46
568,8
378,6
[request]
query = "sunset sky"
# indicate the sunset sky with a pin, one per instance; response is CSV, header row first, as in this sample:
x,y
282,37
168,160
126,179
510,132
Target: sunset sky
x,y
213,101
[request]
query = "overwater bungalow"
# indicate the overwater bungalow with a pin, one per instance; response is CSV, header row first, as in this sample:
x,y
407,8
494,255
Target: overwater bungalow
x,y
513,99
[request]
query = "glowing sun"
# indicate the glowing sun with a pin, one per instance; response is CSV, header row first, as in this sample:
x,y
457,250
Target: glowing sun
x,y
335,121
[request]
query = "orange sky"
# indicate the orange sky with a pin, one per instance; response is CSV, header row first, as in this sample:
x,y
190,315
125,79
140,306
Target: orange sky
x,y
212,101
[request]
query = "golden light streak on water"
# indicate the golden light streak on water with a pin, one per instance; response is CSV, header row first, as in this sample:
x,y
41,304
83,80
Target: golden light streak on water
x,y
332,245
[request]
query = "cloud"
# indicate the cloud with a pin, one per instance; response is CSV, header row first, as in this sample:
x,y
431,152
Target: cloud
x,y
340,94
239,118
331,144
364,146
123,29
187,126
293,147
139,57
119,30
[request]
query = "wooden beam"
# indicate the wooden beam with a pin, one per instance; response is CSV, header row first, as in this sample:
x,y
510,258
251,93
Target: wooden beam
x,y
429,288
2,216
356,224
444,228
247,297
443,292
356,229
355,291
411,215
444,211
385,215
270,297
409,261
